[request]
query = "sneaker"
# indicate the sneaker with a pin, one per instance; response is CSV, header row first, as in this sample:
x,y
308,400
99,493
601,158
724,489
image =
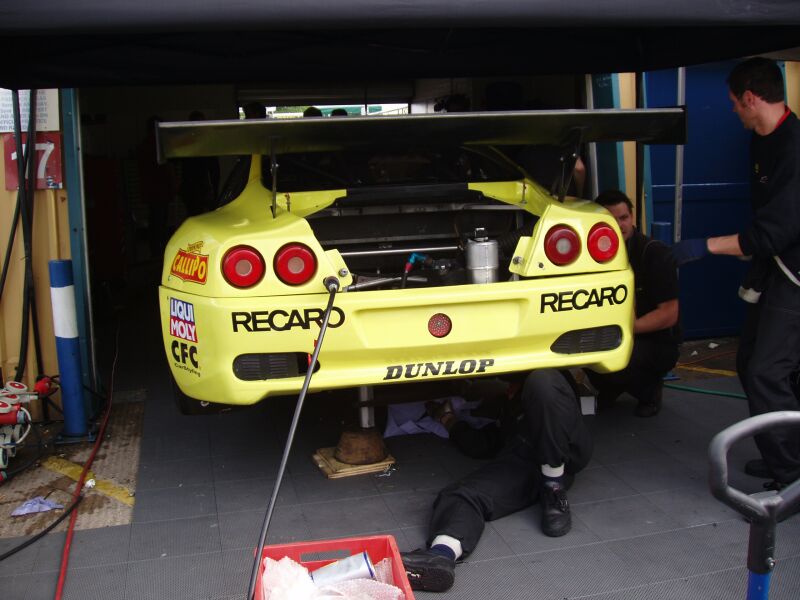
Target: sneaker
x,y
645,410
556,518
429,572
757,467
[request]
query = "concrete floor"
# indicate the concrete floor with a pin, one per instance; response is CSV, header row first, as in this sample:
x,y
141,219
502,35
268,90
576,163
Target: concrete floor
x,y
645,525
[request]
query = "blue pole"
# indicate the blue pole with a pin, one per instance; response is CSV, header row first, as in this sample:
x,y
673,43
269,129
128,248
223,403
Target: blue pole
x,y
65,324
758,585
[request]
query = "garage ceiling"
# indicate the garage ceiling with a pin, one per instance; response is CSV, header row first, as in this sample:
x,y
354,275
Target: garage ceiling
x,y
51,43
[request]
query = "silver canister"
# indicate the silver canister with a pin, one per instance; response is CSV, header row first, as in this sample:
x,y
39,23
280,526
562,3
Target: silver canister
x,y
482,259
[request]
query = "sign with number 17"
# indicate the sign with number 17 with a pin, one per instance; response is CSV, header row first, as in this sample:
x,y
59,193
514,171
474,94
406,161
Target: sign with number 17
x,y
48,160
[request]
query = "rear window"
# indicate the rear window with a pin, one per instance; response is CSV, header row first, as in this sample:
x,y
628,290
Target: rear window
x,y
387,167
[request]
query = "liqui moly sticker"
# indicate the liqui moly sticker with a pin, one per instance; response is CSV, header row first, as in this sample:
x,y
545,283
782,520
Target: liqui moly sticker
x,y
190,265
181,320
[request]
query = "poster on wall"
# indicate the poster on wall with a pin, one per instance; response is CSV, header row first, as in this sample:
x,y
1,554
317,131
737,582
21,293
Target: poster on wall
x,y
47,112
49,173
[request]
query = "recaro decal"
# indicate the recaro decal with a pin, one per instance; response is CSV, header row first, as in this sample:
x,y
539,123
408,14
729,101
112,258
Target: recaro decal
x,y
284,320
583,299
190,265
181,320
435,369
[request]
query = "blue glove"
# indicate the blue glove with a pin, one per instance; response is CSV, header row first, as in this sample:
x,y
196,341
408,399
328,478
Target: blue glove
x,y
688,250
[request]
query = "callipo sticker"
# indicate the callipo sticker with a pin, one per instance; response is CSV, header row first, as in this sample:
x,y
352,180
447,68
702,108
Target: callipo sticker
x,y
190,265
181,320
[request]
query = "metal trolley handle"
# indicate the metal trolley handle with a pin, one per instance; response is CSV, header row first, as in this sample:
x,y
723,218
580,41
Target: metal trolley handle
x,y
763,513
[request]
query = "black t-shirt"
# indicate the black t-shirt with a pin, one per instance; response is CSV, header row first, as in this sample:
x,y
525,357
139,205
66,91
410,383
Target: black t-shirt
x,y
656,279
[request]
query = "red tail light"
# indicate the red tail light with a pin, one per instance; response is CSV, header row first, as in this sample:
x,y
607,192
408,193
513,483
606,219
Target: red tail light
x,y
562,245
243,266
295,264
602,243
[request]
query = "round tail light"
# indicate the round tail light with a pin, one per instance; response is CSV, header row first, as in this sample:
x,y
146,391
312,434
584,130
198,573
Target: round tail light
x,y
439,325
243,266
602,242
562,245
295,264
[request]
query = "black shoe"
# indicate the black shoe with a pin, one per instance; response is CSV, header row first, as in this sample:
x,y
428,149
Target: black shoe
x,y
429,572
556,518
757,467
651,408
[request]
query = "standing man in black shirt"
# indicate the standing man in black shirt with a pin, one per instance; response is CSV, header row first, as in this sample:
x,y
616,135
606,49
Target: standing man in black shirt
x,y
769,345
656,330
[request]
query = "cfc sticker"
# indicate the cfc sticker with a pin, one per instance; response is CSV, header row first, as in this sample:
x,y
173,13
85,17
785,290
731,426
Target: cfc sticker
x,y
190,265
582,299
181,320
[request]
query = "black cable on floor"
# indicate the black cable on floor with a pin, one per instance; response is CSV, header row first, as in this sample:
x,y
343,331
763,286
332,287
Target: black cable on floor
x,y
44,532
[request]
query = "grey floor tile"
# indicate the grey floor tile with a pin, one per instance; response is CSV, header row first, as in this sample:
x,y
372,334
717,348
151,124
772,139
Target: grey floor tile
x,y
624,518
679,589
175,443
346,518
484,579
235,577
242,529
14,586
96,583
40,586
259,463
176,578
315,487
173,473
174,503
252,494
665,556
414,476
20,563
598,483
612,446
691,506
177,537
579,571
102,546
491,546
418,447
655,474
411,509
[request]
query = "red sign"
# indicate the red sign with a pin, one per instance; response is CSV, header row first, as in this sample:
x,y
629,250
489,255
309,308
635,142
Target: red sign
x,y
48,160
190,266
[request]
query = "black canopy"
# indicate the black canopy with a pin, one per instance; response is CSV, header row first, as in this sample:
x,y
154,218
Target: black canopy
x,y
102,42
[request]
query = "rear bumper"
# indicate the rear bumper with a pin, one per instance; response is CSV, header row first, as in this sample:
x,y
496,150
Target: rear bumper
x,y
382,337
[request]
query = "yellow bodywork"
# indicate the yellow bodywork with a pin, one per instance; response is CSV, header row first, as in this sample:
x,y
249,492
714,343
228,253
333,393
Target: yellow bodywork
x,y
380,337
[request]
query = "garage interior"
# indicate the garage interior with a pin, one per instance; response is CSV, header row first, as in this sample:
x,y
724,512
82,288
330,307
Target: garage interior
x,y
183,497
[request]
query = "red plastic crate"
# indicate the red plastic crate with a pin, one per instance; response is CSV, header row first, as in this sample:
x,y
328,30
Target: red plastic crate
x,y
377,547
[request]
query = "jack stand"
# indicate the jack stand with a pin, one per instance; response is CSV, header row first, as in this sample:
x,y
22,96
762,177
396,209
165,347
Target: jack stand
x,y
359,451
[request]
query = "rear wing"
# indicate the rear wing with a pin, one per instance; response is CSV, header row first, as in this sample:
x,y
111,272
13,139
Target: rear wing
x,y
555,127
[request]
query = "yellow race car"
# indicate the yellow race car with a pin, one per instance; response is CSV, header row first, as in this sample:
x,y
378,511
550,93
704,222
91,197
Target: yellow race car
x,y
449,260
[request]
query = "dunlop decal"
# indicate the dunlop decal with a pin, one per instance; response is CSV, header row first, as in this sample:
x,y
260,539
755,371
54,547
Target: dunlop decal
x,y
190,265
436,369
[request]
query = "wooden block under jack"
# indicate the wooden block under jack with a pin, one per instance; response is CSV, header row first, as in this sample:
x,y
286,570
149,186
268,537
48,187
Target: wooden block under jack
x,y
335,469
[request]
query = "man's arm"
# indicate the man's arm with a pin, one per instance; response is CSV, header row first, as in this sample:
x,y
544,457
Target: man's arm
x,y
664,316
725,244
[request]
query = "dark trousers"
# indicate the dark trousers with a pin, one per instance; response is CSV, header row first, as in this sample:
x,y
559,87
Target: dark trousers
x,y
651,359
769,354
553,433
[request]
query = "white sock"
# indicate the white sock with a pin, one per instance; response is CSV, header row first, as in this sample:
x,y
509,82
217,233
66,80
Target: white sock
x,y
450,542
553,472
